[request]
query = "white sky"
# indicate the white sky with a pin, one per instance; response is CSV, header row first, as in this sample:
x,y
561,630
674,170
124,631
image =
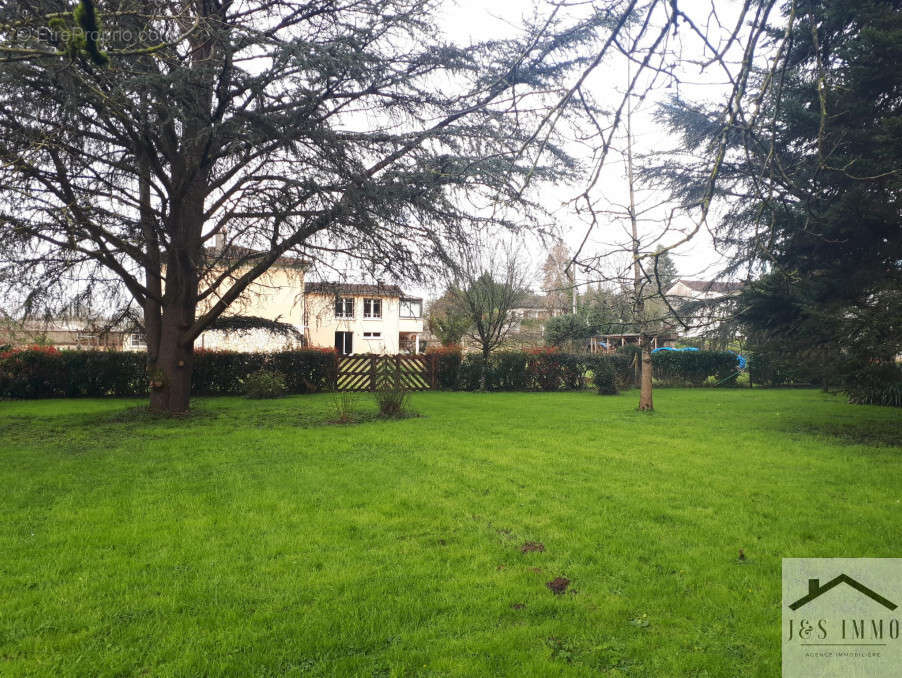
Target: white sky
x,y
476,20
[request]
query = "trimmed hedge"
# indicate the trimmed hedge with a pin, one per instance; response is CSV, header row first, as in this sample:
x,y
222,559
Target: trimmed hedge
x,y
444,363
41,372
44,372
537,370
693,368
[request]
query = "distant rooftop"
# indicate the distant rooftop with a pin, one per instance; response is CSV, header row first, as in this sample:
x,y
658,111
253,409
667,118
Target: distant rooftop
x,y
711,286
353,289
237,253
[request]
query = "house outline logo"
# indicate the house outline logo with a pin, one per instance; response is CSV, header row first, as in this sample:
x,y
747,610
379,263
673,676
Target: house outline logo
x,y
815,590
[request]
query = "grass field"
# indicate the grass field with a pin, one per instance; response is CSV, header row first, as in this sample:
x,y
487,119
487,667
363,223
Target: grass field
x,y
252,539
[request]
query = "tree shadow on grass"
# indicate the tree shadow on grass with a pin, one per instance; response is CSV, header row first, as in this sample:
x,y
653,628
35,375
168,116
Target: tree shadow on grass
x,y
221,416
860,431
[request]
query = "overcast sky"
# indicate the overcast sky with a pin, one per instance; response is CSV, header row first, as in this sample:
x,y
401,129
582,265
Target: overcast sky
x,y
477,20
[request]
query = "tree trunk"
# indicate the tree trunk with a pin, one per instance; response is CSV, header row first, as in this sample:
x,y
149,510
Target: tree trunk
x,y
170,373
170,364
483,380
646,403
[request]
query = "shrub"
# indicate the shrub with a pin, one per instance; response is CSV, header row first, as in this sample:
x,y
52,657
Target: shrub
x,y
624,369
265,384
772,368
308,371
604,375
224,372
45,372
876,384
390,394
104,373
473,370
344,407
33,372
550,370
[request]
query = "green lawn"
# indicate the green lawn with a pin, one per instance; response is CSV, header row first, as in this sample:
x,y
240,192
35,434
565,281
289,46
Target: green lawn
x,y
252,540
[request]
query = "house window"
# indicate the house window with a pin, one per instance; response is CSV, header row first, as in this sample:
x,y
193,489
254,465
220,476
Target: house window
x,y
411,308
372,335
344,307
137,340
372,308
344,343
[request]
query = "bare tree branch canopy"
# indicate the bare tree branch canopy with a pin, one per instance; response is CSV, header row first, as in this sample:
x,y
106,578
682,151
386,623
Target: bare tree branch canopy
x,y
283,126
488,285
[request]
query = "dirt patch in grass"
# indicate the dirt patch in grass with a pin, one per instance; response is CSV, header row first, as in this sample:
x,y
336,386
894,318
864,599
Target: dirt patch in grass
x,y
518,606
558,585
532,546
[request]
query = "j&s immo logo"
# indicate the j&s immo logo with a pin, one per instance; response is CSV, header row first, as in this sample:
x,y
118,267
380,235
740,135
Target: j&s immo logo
x,y
841,617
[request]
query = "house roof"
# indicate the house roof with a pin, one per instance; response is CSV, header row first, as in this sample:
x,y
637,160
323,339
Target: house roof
x,y
711,285
234,253
353,289
533,301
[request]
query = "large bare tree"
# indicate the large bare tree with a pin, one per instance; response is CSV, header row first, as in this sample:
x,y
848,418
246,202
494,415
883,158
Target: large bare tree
x,y
277,127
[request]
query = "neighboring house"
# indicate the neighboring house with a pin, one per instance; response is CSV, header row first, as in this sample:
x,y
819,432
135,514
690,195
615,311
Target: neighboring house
x,y
357,318
534,307
528,320
72,333
277,295
349,317
697,300
697,290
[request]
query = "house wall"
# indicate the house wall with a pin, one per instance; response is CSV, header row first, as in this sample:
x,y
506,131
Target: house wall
x,y
72,334
322,324
686,292
278,294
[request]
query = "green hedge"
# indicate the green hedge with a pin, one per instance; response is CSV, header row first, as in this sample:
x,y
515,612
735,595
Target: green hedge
x,y
41,372
444,363
48,373
540,370
694,368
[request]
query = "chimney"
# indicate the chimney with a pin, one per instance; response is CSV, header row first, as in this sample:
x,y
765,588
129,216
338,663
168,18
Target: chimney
x,y
219,242
814,585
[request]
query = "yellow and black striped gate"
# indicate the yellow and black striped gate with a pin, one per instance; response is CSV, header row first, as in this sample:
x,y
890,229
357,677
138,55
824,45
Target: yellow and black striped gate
x,y
364,372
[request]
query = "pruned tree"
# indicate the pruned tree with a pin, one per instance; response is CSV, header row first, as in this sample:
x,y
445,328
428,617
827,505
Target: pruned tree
x,y
311,128
487,286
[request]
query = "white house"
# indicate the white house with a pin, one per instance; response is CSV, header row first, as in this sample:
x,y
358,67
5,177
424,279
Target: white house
x,y
357,318
277,295
697,290
689,296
